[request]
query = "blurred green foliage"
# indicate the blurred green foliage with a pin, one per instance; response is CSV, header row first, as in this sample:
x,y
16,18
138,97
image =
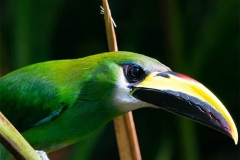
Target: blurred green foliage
x,y
195,37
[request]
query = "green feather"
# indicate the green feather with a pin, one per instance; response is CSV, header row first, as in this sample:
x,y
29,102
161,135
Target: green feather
x,y
57,103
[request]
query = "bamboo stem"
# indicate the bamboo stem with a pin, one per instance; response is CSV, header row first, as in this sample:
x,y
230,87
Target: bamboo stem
x,y
111,36
14,141
124,125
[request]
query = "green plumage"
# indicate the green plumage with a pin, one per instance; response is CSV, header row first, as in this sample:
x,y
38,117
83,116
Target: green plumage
x,y
57,103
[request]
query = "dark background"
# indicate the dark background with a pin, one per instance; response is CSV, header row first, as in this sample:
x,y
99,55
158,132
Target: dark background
x,y
198,38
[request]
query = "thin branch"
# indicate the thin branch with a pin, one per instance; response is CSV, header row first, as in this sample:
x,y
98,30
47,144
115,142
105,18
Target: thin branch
x,y
14,141
111,36
124,125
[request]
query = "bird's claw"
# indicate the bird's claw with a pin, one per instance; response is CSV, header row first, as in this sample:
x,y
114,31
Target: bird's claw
x,y
43,155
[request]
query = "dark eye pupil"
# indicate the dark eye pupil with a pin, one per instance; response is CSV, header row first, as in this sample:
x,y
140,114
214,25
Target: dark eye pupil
x,y
134,73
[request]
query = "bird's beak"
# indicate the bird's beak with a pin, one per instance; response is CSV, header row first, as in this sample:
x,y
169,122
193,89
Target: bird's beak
x,y
185,96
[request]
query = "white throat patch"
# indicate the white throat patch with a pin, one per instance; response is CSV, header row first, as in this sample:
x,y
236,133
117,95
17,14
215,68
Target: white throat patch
x,y
122,98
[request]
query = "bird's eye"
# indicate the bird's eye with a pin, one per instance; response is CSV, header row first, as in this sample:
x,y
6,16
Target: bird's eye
x,y
134,73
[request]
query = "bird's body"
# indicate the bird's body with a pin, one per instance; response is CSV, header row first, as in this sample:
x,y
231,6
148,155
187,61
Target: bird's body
x,y
57,103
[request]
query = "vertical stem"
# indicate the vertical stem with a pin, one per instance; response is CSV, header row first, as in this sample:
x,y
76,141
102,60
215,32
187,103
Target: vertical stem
x,y
133,136
175,36
188,139
22,28
124,125
111,36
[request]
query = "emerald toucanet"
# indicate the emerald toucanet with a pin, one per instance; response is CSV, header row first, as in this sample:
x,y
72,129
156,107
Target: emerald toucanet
x,y
57,103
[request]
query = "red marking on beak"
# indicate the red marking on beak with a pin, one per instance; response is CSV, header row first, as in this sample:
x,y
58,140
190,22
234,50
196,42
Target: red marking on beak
x,y
184,77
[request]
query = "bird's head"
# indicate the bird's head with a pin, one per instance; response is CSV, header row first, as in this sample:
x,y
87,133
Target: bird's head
x,y
140,81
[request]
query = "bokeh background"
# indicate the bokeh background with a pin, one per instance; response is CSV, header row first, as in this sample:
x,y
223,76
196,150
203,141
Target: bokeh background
x,y
196,37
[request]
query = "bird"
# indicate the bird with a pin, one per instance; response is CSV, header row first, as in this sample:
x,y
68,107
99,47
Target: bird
x,y
57,103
